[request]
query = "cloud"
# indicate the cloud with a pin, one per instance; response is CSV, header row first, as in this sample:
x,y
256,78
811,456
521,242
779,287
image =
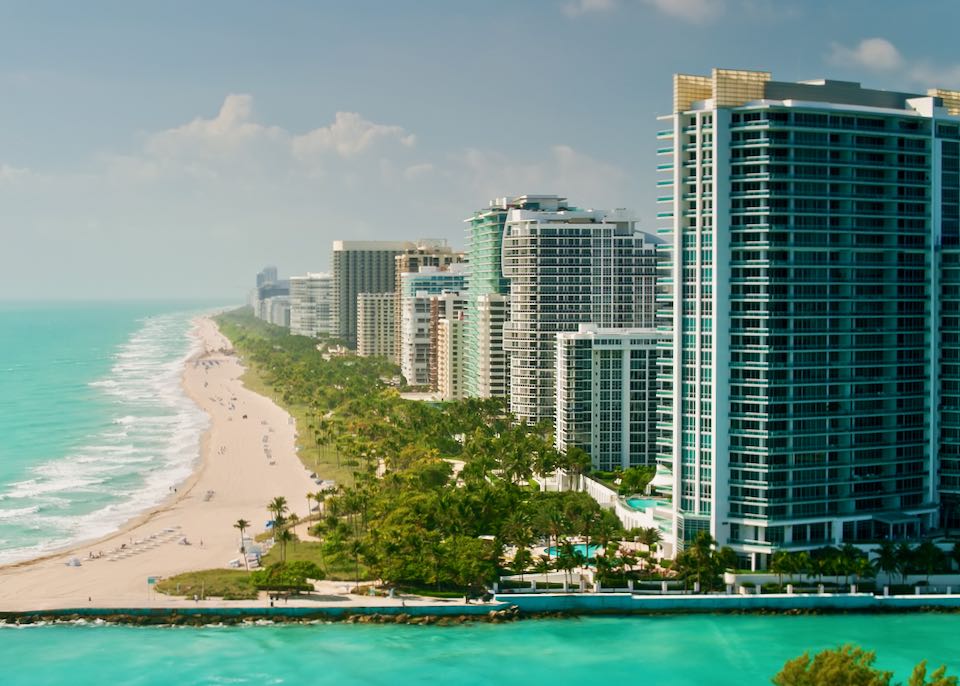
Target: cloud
x,y
563,170
881,55
416,171
348,136
934,76
229,185
228,133
693,11
877,54
577,7
10,174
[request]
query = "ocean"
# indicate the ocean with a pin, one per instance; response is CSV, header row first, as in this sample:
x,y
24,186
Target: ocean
x,y
94,426
709,650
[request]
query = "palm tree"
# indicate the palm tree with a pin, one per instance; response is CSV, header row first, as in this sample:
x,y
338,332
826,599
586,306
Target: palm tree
x,y
242,524
886,560
701,553
542,565
284,536
862,569
521,560
780,565
567,559
649,537
904,554
799,563
928,557
849,555
278,507
320,496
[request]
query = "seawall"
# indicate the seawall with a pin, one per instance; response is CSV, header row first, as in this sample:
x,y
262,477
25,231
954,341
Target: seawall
x,y
626,603
506,608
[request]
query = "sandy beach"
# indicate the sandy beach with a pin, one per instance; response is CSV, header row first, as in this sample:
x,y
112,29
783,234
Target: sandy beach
x,y
234,479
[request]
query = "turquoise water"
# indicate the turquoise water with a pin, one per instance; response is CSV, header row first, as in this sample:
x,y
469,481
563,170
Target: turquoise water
x,y
94,426
644,503
704,650
581,548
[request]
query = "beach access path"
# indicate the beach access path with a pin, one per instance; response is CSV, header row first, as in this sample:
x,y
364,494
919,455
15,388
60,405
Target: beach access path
x,y
244,463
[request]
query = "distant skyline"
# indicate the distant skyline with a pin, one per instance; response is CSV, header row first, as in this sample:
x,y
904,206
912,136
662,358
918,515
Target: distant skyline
x,y
174,149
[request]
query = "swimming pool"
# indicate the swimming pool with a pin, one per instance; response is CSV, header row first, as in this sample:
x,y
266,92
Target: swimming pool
x,y
645,503
579,547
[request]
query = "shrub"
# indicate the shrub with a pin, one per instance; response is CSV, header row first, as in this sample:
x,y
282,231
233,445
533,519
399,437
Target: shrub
x,y
290,576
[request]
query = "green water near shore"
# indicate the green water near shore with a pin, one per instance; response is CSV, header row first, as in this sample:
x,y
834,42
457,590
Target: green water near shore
x,y
711,649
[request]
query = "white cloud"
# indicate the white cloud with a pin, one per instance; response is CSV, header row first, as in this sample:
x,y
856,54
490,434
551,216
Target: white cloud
x,y
873,53
348,136
9,173
228,133
933,76
693,11
218,183
575,8
881,55
563,171
416,171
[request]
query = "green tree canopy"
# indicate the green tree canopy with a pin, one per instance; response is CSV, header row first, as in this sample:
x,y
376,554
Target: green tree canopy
x,y
850,665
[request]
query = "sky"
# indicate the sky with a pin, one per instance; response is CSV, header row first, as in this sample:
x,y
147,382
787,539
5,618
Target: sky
x,y
171,149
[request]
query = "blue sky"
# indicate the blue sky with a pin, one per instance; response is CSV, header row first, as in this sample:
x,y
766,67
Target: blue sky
x,y
170,149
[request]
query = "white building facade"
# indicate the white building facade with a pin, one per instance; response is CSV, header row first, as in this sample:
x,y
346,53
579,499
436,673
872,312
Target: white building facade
x,y
375,324
568,267
450,373
311,305
607,395
418,291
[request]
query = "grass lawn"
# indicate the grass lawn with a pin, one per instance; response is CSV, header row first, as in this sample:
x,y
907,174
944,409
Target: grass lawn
x,y
229,584
337,568
430,592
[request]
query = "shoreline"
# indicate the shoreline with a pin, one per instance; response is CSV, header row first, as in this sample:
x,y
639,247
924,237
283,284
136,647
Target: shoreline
x,y
183,488
239,478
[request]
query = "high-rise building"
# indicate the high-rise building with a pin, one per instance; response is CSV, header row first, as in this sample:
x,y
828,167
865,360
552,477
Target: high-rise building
x,y
568,267
428,252
486,369
361,267
417,291
487,365
311,305
446,306
266,275
450,357
375,330
607,395
265,293
809,392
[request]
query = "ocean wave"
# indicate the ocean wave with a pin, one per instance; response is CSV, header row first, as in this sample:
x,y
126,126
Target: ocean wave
x,y
19,512
150,444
